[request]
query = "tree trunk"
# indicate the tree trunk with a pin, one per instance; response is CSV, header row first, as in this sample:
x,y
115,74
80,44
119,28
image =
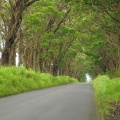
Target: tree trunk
x,y
55,69
17,8
5,57
15,24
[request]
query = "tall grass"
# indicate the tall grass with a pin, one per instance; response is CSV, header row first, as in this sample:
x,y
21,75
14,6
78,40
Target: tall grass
x,y
106,89
15,80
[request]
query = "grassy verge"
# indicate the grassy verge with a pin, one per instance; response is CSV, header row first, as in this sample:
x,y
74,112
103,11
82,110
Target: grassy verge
x,y
106,89
15,80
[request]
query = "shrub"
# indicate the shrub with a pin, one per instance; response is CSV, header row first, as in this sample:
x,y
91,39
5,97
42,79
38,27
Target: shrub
x,y
18,79
106,89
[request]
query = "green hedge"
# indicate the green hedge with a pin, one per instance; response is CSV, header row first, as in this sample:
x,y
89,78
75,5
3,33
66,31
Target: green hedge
x,y
15,80
106,89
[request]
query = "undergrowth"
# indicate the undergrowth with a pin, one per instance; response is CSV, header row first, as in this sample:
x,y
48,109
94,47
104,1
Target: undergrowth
x,y
106,90
15,80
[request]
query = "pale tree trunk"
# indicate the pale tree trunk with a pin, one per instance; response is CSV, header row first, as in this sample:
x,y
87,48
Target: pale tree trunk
x,y
21,47
15,24
33,55
17,8
38,55
41,60
21,52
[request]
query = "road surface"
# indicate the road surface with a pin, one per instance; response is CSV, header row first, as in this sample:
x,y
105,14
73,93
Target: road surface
x,y
66,102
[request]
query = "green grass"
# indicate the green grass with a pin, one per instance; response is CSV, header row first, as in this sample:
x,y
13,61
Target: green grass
x,y
106,89
15,80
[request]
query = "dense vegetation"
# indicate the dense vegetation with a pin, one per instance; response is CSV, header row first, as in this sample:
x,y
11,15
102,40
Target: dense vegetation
x,y
106,90
64,37
17,79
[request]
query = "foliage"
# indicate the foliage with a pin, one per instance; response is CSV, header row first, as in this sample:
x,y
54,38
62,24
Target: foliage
x,y
15,80
66,37
106,90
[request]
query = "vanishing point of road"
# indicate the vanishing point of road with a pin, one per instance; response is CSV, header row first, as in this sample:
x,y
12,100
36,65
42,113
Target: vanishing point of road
x,y
66,102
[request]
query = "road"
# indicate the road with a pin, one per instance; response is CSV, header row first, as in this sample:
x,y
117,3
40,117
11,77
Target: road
x,y
66,102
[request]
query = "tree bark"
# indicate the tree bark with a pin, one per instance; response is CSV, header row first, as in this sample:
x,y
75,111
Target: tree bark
x,y
17,8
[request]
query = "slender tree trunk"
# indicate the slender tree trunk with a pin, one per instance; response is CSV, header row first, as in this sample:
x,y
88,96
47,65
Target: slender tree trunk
x,y
5,56
12,56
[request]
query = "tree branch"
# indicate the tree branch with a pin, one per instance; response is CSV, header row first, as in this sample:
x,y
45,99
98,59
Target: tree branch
x,y
51,22
58,26
108,12
30,3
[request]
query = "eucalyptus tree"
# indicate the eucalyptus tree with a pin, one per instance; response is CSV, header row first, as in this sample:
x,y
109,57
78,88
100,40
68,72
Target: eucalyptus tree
x,y
12,18
99,33
66,37
107,13
54,37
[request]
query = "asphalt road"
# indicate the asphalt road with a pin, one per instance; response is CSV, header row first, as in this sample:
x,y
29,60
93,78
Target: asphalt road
x,y
66,102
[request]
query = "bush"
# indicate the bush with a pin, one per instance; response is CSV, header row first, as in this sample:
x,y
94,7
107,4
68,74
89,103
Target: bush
x,y
106,89
15,80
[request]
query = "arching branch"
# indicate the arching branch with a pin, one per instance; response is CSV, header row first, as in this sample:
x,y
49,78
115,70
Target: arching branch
x,y
108,12
58,26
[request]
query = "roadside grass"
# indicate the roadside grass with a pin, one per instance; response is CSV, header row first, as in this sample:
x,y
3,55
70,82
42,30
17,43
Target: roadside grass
x,y
15,80
106,89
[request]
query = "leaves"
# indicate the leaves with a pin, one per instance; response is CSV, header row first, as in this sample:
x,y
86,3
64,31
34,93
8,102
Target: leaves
x,y
76,36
